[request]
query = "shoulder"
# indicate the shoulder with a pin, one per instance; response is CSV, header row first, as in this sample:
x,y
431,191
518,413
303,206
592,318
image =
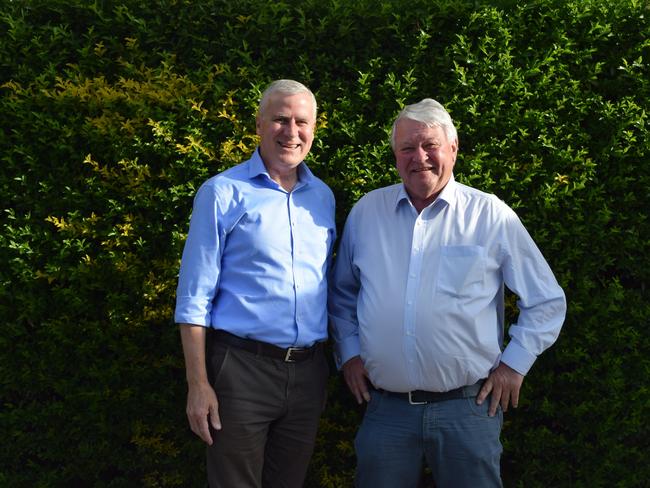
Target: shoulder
x,y
487,204
386,195
378,202
471,193
225,186
233,177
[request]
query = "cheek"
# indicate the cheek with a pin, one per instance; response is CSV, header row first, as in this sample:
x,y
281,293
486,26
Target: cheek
x,y
307,135
401,165
267,131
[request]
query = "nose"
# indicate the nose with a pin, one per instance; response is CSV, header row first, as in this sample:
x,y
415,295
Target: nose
x,y
420,155
291,128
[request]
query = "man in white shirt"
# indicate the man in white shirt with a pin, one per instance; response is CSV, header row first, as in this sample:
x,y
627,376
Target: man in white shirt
x,y
416,308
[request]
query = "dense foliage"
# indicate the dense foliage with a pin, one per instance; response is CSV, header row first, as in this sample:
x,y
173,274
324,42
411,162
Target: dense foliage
x,y
114,111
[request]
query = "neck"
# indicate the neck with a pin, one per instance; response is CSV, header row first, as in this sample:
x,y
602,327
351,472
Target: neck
x,y
286,180
422,203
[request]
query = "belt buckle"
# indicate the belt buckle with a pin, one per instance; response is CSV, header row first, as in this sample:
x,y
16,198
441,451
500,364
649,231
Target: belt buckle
x,y
287,356
414,402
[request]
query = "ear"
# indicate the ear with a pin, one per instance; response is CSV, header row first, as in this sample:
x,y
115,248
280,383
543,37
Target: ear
x,y
258,123
454,148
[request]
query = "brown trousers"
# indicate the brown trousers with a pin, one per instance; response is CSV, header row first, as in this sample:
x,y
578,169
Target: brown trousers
x,y
269,414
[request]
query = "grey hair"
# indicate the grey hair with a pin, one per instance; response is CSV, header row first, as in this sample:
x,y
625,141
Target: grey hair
x,y
285,87
430,113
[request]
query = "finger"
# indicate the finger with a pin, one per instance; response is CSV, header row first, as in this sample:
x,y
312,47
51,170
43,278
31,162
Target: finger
x,y
505,400
365,381
363,388
494,401
215,420
359,388
357,395
195,426
514,398
485,391
361,391
204,431
352,386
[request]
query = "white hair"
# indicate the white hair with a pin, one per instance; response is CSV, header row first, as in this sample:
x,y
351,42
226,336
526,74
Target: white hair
x,y
430,113
285,87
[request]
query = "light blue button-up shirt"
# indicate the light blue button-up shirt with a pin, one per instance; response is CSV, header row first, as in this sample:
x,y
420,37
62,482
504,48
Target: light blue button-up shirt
x,y
256,256
420,296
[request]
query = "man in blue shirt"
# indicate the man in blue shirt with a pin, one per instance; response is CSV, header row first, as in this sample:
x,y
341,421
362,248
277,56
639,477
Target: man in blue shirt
x,y
251,302
416,307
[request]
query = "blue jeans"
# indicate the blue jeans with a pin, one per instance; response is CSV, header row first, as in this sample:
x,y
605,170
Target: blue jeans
x,y
456,438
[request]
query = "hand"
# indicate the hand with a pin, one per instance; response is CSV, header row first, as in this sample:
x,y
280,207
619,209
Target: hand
x,y
203,406
355,375
504,383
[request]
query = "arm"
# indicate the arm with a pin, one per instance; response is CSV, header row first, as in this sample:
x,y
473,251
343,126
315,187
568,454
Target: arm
x,y
344,325
197,286
542,308
202,401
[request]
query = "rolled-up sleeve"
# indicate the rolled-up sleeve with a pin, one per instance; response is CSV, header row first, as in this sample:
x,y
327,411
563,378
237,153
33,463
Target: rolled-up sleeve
x,y
201,262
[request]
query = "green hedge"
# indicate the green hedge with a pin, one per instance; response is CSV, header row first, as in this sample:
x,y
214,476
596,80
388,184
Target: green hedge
x,y
113,112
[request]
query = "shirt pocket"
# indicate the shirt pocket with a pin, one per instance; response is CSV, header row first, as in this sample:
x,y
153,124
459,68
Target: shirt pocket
x,y
461,271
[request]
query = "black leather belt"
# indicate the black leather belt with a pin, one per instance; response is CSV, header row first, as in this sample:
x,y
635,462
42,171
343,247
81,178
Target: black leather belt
x,y
420,397
288,355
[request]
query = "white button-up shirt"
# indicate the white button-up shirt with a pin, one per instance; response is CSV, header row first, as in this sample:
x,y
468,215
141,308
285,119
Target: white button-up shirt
x,y
420,296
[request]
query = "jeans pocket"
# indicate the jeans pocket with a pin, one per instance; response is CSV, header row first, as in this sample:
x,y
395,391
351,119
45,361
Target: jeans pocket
x,y
375,401
482,410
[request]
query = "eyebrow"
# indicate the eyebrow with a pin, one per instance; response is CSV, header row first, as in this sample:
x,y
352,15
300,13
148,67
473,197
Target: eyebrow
x,y
284,116
433,140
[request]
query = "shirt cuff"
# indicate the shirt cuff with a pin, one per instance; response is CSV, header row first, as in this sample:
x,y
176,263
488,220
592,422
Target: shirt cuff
x,y
192,311
518,358
346,350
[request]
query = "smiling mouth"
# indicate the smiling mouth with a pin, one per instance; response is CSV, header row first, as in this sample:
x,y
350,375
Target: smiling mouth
x,y
422,170
289,146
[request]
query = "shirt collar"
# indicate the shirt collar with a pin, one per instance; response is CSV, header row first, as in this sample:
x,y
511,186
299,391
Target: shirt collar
x,y
256,168
447,195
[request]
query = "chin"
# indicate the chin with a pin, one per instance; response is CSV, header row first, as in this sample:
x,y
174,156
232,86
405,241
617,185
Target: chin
x,y
294,161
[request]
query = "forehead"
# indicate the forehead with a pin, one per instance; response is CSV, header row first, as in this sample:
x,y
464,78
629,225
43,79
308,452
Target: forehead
x,y
408,130
299,104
